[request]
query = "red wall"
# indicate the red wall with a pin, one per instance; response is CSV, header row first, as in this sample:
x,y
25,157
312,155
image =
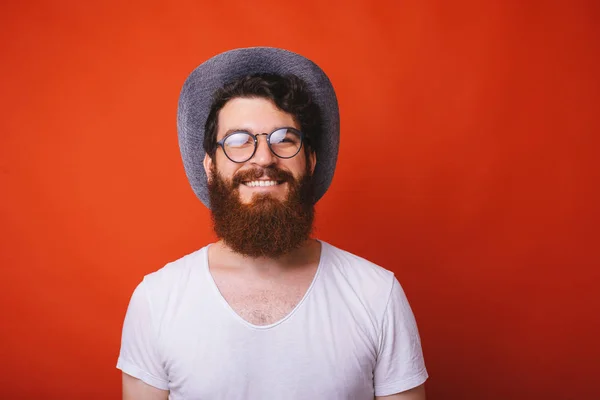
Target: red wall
x,y
468,165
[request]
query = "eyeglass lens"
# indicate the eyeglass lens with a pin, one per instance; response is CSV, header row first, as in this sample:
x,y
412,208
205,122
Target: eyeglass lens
x,y
284,143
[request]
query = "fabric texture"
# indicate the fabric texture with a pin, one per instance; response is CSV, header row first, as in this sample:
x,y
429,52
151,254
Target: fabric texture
x,y
196,99
352,336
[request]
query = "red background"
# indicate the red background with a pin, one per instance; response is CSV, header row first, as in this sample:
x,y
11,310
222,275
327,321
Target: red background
x,y
468,165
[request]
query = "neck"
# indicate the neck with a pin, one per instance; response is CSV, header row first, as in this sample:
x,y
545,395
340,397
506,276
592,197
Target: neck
x,y
307,254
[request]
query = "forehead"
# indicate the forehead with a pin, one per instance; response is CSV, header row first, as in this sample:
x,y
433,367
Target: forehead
x,y
252,114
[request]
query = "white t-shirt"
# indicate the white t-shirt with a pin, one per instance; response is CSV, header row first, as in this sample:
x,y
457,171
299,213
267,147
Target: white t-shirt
x,y
352,336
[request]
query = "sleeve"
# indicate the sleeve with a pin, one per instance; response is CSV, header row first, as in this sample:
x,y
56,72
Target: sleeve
x,y
400,365
139,356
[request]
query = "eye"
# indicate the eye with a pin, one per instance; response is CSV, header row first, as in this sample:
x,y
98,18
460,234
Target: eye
x,y
284,136
239,139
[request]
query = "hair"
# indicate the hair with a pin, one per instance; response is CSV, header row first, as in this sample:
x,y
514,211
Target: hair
x,y
289,93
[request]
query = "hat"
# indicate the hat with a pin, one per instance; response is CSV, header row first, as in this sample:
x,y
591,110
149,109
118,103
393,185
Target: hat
x,y
196,99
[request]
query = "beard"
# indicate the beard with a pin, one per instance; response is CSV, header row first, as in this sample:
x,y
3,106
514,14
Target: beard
x,y
265,227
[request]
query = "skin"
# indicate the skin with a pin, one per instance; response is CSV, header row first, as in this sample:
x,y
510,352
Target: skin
x,y
243,280
417,393
256,115
275,276
135,389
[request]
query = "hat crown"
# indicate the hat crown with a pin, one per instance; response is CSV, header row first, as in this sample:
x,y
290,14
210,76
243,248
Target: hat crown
x,y
196,98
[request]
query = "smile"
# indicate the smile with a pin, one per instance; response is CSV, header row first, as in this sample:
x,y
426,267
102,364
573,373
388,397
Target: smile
x,y
261,183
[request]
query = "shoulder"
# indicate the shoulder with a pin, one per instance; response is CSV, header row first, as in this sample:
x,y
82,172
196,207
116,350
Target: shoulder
x,y
354,267
360,277
165,287
176,272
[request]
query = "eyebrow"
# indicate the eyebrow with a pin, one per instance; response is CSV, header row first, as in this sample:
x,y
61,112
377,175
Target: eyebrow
x,y
235,130
229,131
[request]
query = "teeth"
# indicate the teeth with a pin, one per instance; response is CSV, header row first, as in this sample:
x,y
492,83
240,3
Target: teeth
x,y
261,183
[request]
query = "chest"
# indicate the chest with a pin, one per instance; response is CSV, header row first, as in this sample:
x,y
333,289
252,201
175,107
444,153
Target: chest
x,y
301,358
262,301
314,343
262,306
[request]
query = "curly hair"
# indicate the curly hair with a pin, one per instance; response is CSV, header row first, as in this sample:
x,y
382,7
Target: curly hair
x,y
289,93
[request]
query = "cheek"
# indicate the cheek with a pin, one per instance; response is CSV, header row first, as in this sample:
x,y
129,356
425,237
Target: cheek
x,y
225,167
297,166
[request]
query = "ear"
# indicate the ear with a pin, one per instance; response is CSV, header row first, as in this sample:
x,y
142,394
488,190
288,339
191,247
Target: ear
x,y
312,160
207,163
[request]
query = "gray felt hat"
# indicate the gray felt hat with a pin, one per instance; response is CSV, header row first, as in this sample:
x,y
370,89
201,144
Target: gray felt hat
x,y
196,99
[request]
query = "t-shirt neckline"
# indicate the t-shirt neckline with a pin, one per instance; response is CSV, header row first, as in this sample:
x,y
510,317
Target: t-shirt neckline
x,y
239,318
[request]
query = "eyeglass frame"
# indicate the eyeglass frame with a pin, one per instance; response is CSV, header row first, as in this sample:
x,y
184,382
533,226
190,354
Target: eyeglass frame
x,y
221,143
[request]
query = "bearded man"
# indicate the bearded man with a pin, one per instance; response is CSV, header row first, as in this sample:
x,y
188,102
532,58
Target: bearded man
x,y
266,312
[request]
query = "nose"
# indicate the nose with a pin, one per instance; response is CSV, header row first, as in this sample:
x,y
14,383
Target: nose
x,y
263,156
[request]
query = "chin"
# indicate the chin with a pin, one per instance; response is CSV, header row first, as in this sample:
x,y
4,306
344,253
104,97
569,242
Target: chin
x,y
259,197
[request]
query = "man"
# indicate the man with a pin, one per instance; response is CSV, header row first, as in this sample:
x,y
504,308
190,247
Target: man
x,y
266,312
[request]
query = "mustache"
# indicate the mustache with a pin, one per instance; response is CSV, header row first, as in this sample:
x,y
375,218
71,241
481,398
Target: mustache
x,y
272,173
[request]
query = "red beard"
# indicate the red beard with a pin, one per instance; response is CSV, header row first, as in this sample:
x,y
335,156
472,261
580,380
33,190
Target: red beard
x,y
265,227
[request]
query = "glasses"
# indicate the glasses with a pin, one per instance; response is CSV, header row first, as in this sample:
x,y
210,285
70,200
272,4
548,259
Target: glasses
x,y
240,146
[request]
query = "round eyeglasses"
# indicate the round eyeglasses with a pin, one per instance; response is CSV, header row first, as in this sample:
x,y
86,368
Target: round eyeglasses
x,y
240,146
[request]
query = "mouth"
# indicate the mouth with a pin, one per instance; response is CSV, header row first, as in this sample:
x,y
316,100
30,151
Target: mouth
x,y
262,183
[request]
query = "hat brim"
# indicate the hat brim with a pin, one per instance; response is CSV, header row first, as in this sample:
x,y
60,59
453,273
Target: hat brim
x,y
196,99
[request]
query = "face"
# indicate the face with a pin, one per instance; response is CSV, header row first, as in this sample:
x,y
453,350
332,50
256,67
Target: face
x,y
257,115
260,221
